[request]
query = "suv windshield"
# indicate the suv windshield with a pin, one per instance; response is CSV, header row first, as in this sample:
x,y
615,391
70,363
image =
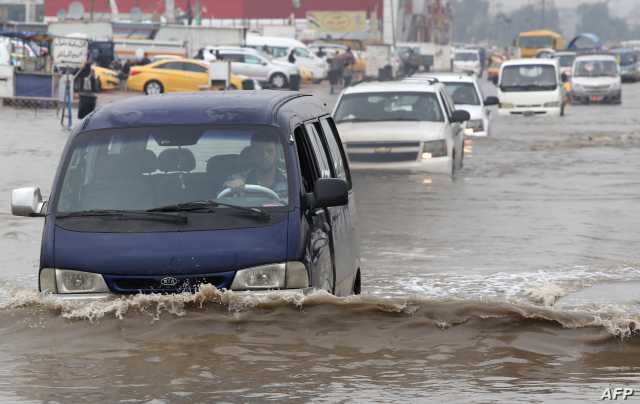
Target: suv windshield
x,y
466,56
462,93
595,68
528,78
148,168
370,107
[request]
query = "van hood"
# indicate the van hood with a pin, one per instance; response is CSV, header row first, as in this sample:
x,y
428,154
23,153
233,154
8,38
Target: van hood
x,y
170,253
528,97
595,81
390,131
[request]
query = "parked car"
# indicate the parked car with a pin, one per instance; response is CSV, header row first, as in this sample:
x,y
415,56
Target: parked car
x,y
466,95
629,64
401,126
163,194
249,62
596,78
467,61
107,79
285,48
167,76
531,87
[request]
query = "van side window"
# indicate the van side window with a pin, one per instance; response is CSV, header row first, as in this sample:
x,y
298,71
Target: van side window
x,y
319,150
338,159
308,169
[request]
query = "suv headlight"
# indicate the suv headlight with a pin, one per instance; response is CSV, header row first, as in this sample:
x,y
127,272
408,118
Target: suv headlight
x,y
434,148
290,275
55,280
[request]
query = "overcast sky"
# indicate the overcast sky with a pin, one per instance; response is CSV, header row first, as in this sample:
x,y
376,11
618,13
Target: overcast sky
x,y
619,7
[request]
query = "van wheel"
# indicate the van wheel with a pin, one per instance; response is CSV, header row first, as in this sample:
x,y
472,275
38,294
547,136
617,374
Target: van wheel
x,y
278,80
357,284
153,87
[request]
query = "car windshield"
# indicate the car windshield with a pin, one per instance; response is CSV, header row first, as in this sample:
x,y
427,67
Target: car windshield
x,y
148,168
391,106
466,56
463,93
595,68
566,60
528,78
535,42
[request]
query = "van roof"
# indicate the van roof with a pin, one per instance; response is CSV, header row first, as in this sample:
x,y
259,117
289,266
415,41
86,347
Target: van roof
x,y
533,61
223,107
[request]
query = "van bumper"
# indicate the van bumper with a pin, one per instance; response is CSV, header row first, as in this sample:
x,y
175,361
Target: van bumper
x,y
555,111
91,297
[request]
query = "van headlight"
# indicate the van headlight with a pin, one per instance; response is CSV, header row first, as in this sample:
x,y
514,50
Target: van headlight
x,y
290,275
434,148
615,86
55,280
577,87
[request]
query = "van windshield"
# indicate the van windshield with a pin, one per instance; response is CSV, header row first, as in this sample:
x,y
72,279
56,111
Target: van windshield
x,y
595,68
528,78
371,107
148,168
466,56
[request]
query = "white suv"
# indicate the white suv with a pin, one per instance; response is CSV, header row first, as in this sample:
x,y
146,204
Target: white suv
x,y
401,126
467,95
251,63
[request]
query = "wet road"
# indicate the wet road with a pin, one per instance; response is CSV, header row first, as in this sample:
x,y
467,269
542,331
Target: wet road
x,y
516,281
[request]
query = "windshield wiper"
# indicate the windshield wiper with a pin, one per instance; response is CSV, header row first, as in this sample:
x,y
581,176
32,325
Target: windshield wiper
x,y
208,206
126,214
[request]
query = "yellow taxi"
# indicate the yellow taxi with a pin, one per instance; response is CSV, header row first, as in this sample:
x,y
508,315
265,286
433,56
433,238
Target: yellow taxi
x,y
183,75
107,79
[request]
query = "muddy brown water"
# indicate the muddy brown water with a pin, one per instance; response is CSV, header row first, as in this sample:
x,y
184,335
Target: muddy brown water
x,y
517,281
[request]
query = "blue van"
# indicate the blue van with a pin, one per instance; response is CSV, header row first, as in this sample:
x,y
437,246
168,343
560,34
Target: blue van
x,y
242,190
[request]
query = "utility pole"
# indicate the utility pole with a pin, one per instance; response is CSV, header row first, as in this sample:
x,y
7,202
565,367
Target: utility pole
x,y
544,6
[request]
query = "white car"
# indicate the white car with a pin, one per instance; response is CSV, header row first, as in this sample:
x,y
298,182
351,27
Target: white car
x,y
282,48
596,78
401,126
466,95
251,63
467,61
531,87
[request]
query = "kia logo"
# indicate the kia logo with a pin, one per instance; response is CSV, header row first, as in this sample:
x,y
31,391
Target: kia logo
x,y
169,281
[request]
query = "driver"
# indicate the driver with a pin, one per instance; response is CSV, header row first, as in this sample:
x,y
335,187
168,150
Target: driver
x,y
264,171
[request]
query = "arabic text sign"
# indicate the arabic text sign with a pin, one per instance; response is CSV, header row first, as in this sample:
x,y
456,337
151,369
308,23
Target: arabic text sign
x,y
70,52
338,21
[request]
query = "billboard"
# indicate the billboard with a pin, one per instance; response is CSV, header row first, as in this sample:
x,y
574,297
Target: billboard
x,y
338,21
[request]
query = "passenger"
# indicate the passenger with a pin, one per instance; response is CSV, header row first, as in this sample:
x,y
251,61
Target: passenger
x,y
464,95
263,171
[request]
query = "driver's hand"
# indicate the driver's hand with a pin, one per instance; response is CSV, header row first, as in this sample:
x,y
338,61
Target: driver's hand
x,y
235,183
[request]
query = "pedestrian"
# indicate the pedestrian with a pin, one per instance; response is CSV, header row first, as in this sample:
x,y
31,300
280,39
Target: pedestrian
x,y
292,57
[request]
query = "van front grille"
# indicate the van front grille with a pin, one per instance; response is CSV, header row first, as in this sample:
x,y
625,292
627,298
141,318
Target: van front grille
x,y
129,284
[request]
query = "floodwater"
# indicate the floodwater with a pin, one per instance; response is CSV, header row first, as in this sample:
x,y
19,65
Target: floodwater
x,y
517,281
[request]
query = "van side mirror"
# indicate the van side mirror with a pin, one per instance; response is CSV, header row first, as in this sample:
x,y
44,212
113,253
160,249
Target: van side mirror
x,y
27,202
330,192
491,100
459,116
